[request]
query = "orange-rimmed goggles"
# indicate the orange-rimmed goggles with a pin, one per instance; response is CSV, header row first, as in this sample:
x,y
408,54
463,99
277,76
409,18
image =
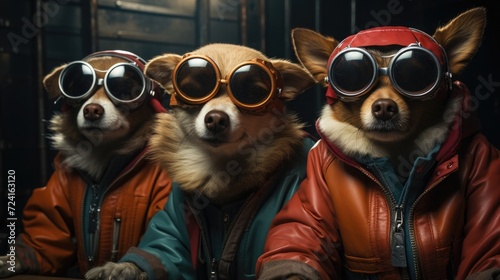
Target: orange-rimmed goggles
x,y
252,85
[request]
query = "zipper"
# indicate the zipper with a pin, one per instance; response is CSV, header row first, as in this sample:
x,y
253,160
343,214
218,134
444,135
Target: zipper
x,y
214,265
397,238
116,235
95,212
93,223
416,264
392,201
398,250
213,269
235,218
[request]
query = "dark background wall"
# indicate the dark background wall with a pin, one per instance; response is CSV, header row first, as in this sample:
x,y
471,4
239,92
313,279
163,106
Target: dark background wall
x,y
36,36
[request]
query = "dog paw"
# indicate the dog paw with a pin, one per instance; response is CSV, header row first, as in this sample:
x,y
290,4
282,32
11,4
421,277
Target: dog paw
x,y
9,267
117,271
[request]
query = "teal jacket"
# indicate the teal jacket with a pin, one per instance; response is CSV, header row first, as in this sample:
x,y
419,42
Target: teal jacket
x,y
192,239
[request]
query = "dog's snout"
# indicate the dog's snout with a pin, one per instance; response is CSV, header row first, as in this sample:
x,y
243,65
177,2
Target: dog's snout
x,y
93,111
384,109
216,121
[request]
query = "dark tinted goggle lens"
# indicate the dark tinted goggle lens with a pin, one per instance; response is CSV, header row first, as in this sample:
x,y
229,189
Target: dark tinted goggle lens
x,y
415,72
125,82
250,84
196,78
77,80
352,72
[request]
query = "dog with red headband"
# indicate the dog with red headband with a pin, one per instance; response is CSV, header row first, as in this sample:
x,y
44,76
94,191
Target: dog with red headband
x,y
235,154
402,184
104,188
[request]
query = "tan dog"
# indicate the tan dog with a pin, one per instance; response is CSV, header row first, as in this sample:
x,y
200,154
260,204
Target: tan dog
x,y
402,184
384,122
202,141
235,154
104,189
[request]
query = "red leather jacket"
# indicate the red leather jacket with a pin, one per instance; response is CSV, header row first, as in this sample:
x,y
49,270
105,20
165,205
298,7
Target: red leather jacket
x,y
339,221
54,234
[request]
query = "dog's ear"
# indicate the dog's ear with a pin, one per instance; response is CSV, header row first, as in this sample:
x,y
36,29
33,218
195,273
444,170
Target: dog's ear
x,y
51,82
160,69
295,78
461,37
313,50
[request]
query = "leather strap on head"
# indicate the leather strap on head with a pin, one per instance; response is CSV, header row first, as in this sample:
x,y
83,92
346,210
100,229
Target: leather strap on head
x,y
131,57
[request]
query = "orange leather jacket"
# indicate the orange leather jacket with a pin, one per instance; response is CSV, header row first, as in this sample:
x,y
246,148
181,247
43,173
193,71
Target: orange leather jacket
x,y
54,231
338,224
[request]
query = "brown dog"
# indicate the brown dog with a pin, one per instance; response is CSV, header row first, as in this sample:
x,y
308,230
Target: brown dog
x,y
235,154
402,185
92,132
104,189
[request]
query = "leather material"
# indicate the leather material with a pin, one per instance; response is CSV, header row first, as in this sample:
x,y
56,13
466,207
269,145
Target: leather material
x,y
53,215
340,218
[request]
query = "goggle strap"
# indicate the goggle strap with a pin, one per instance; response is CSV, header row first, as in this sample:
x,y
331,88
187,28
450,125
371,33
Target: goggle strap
x,y
57,100
130,57
280,106
173,100
157,106
449,79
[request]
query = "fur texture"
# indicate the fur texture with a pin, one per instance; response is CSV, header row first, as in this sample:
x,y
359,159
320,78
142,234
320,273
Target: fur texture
x,y
89,144
227,164
416,125
223,164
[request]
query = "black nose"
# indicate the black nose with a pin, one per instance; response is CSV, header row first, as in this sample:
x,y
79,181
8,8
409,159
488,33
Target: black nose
x,y
93,111
216,121
384,109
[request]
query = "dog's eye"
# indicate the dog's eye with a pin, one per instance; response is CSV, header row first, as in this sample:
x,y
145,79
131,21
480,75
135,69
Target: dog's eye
x,y
352,72
123,84
193,87
77,80
411,65
196,82
251,90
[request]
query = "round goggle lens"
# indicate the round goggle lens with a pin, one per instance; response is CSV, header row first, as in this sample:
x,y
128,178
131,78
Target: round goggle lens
x,y
76,80
352,72
125,83
250,85
415,72
196,78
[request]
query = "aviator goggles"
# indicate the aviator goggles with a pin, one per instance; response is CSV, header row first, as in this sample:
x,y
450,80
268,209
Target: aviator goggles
x,y
124,82
254,86
415,71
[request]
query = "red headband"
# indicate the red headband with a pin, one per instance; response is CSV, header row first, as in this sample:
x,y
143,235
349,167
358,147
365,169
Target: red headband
x,y
386,36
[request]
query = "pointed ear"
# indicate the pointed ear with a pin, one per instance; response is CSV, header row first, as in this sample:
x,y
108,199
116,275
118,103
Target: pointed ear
x,y
160,69
461,37
313,50
295,78
51,82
